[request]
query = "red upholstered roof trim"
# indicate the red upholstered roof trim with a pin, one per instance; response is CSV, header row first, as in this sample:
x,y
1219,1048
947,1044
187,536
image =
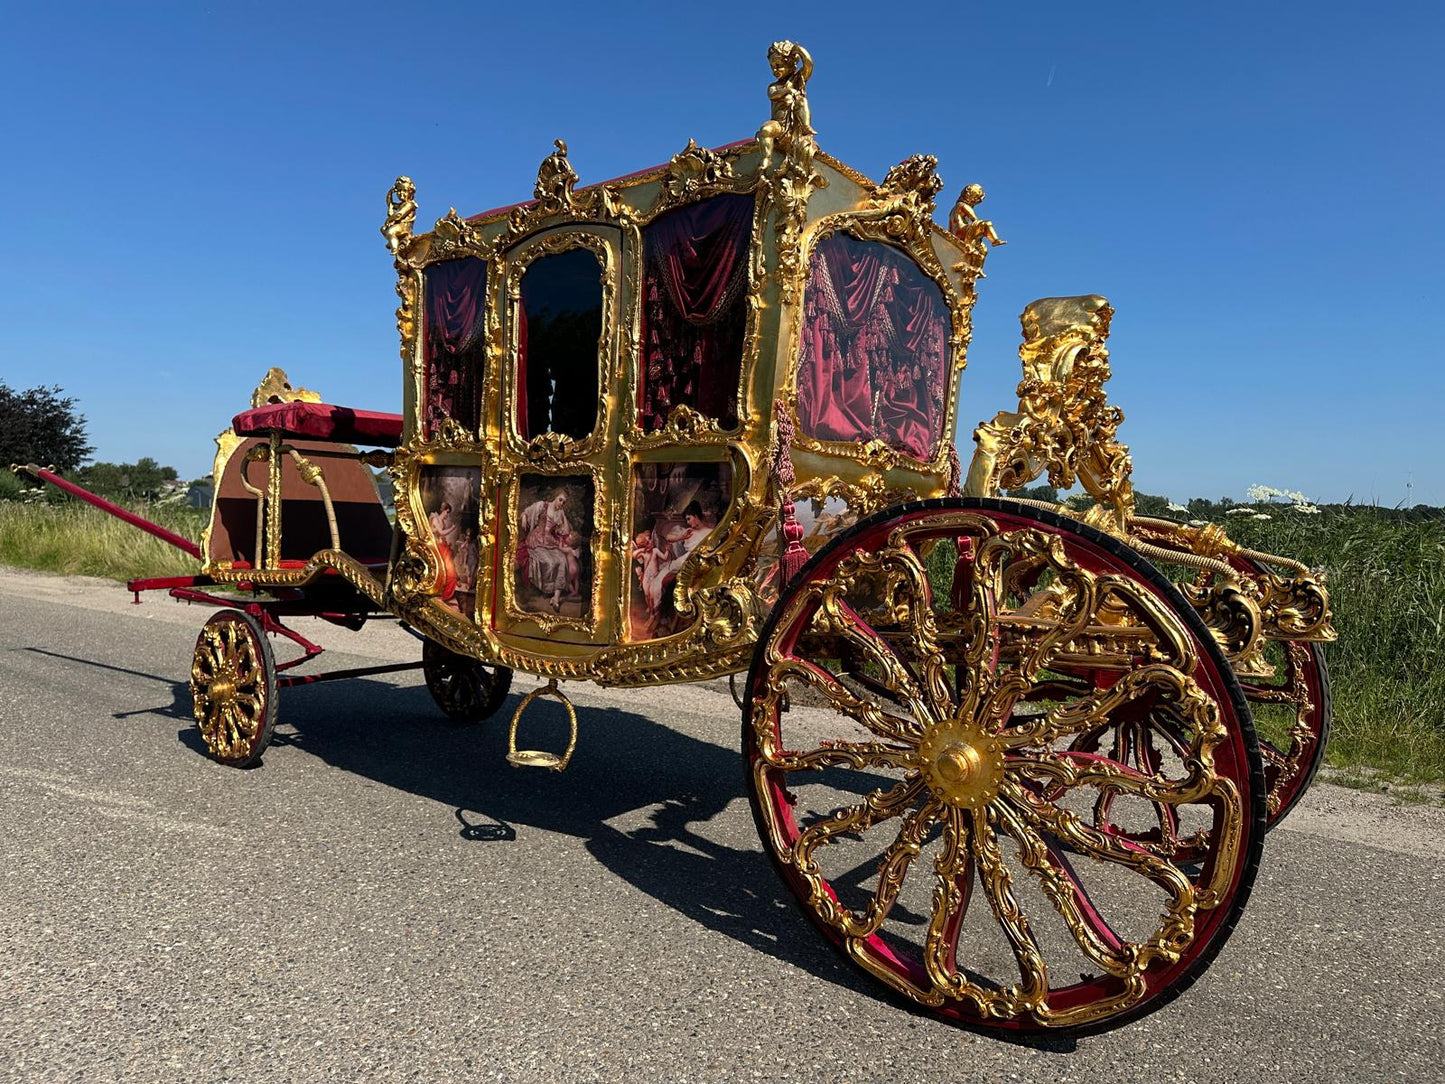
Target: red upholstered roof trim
x,y
321,421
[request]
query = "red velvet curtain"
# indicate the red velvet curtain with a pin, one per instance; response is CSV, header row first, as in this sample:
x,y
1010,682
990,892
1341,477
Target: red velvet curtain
x,y
874,347
695,313
454,347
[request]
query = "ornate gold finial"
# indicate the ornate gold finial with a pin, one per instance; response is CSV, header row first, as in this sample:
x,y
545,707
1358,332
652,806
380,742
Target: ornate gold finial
x,y
555,181
791,128
400,215
1064,424
976,233
904,202
694,168
276,387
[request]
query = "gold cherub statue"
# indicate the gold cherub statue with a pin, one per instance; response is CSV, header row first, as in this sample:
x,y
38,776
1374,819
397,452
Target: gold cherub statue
x,y
791,128
964,222
400,214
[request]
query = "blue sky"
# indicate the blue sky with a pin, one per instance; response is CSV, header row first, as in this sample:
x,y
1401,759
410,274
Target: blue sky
x,y
195,195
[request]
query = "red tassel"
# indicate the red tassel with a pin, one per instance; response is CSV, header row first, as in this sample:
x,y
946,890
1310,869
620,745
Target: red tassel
x,y
794,555
955,472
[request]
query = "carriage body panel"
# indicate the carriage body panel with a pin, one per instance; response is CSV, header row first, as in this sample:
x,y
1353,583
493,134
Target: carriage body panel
x,y
591,385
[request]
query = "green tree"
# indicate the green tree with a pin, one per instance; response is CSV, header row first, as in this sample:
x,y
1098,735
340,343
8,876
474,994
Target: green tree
x,y
40,425
1149,504
1041,492
142,480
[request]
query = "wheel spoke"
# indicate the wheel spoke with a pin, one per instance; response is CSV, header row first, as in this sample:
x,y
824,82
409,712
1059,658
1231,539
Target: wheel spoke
x,y
997,884
1092,712
893,865
898,676
1177,927
1043,860
842,699
953,879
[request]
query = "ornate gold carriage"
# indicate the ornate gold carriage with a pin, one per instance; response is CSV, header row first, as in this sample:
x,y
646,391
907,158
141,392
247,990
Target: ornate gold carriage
x,y
699,421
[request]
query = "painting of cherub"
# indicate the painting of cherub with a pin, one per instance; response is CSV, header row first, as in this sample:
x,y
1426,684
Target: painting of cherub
x,y
675,507
451,498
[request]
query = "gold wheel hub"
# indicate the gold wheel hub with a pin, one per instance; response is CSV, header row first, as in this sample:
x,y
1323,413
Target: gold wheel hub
x,y
962,765
221,691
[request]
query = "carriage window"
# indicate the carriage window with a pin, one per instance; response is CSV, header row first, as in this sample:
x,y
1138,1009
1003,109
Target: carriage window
x,y
874,356
454,344
694,315
559,325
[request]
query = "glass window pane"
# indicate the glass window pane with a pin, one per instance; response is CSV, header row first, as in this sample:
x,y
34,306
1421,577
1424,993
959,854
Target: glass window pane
x,y
454,344
874,348
558,350
694,312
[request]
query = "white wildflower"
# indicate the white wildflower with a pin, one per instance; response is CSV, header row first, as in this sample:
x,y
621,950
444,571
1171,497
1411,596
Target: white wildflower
x,y
1198,522
1175,507
1241,511
1297,500
1261,515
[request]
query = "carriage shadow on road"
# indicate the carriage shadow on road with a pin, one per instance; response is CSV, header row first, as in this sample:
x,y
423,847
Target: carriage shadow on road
x,y
625,762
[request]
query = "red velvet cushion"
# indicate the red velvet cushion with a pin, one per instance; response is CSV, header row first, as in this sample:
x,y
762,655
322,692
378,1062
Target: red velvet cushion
x,y
321,421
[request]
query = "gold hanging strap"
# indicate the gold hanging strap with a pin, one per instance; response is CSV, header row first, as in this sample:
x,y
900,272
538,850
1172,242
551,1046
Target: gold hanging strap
x,y
312,475
538,758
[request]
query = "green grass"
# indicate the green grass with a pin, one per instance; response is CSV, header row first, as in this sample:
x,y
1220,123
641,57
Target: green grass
x,y
1386,576
76,539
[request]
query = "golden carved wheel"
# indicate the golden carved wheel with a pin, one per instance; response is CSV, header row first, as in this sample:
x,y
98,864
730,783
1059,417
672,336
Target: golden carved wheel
x,y
920,796
467,690
1292,713
1285,681
233,688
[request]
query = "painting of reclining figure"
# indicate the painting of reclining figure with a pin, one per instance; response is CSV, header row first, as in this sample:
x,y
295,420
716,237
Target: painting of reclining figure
x,y
675,506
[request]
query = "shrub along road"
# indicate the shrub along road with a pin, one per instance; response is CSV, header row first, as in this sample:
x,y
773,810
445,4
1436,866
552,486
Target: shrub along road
x,y
385,899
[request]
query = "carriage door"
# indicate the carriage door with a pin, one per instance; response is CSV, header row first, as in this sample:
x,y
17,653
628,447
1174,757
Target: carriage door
x,y
557,575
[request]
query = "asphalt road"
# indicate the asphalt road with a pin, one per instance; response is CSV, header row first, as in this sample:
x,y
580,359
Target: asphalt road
x,y
385,899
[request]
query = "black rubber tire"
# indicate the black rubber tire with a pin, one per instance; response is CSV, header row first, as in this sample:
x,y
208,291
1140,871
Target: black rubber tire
x,y
466,689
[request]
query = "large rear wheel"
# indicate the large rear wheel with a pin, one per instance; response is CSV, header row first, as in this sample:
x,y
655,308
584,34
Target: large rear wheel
x,y
909,738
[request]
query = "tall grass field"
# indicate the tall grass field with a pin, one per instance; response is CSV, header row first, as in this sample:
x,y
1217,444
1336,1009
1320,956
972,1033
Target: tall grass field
x,y
1385,571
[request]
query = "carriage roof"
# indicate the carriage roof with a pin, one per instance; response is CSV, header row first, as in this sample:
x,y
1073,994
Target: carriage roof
x,y
804,203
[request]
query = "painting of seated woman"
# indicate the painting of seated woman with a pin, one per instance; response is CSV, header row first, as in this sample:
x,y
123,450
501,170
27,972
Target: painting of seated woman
x,y
675,506
451,498
552,567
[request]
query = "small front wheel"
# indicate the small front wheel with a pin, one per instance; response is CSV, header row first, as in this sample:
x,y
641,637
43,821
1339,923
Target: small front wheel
x,y
233,688
466,689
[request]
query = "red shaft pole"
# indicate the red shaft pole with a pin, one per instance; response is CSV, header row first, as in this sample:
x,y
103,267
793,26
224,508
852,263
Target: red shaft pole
x,y
115,510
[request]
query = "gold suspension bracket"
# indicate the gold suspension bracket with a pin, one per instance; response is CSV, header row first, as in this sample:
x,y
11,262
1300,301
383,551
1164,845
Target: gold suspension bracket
x,y
540,758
